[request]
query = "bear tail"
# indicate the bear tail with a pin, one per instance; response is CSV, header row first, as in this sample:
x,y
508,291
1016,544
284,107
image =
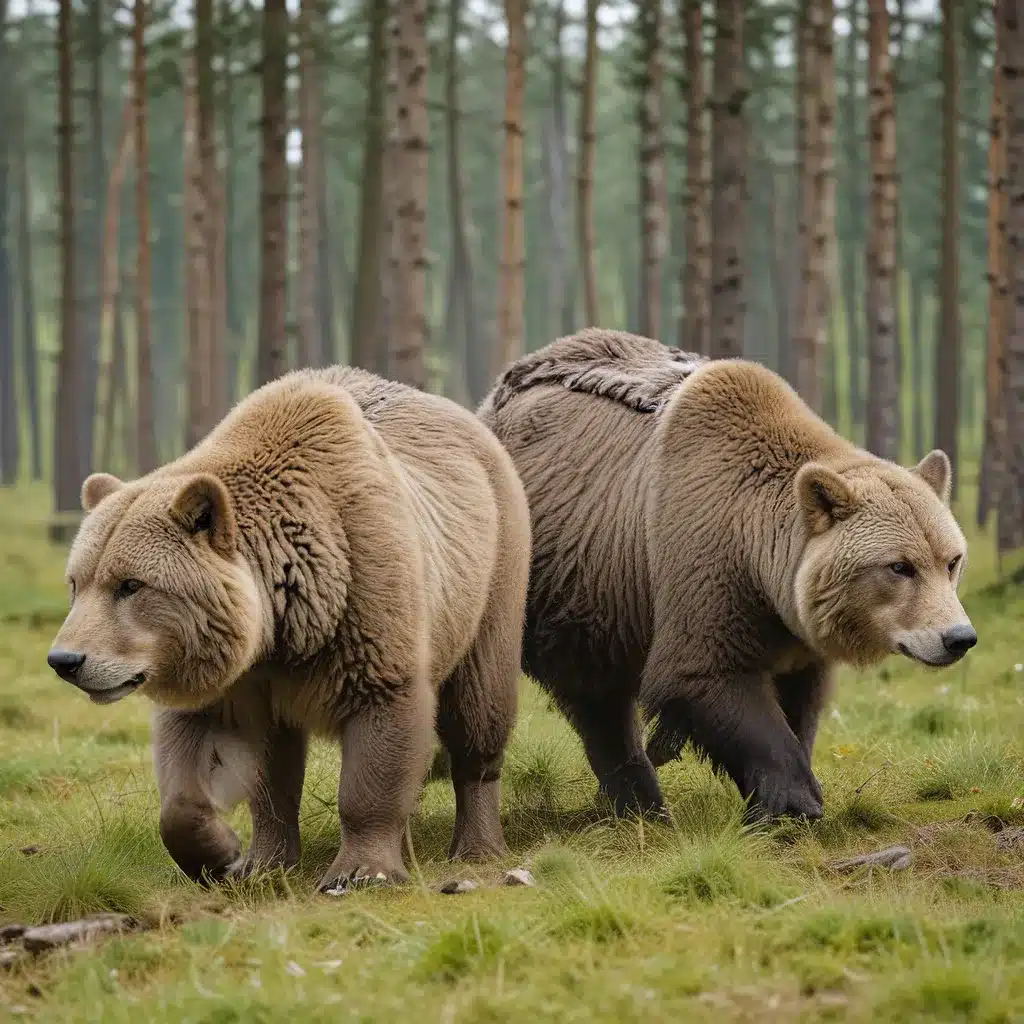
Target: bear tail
x,y
637,372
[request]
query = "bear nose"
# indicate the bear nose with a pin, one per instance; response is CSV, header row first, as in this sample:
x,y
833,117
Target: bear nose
x,y
959,640
65,663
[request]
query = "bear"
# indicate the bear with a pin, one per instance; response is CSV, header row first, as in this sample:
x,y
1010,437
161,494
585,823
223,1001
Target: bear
x,y
706,550
341,556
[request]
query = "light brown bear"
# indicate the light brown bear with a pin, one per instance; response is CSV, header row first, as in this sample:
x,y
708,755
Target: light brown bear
x,y
707,547
341,556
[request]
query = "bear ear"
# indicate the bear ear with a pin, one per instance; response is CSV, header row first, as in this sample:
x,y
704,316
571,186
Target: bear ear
x,y
97,487
824,496
203,506
937,472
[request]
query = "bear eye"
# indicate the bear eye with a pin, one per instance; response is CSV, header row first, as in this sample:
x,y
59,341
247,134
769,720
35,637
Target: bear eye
x,y
953,564
71,586
128,587
903,569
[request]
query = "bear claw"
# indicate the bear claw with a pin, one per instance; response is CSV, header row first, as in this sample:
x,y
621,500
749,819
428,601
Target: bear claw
x,y
360,878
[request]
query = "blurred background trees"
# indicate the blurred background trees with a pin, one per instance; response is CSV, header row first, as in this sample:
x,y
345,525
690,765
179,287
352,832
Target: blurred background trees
x,y
427,189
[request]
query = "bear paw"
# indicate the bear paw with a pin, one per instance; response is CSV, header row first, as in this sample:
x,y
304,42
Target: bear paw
x,y
776,795
362,877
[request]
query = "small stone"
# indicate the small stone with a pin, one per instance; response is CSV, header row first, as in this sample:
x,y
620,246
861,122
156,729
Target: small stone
x,y
894,857
458,885
10,932
294,969
50,936
518,876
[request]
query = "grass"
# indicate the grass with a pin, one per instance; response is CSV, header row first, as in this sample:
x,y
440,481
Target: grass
x,y
628,921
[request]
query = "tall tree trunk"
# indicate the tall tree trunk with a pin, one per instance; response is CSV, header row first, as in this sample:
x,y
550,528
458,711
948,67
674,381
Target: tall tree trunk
x,y
653,233
90,232
854,176
145,435
310,191
883,411
729,181
198,265
808,362
386,316
235,322
1011,505
26,280
585,171
781,256
560,301
826,60
118,380
10,442
510,296
473,369
325,284
409,338
110,277
998,290
947,362
917,363
695,335
69,362
272,354
366,298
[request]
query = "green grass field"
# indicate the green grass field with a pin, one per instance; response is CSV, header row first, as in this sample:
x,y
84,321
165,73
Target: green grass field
x,y
628,921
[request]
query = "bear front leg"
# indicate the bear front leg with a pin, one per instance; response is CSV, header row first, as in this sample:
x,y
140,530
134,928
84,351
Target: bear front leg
x,y
803,696
199,842
275,802
386,749
737,722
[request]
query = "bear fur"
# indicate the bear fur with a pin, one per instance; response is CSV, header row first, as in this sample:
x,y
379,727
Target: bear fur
x,y
706,547
341,556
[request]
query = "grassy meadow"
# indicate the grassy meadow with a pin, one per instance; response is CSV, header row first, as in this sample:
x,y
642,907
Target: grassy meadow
x,y
628,921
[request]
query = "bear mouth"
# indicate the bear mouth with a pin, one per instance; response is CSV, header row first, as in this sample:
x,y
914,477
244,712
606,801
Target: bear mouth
x,y
942,662
113,695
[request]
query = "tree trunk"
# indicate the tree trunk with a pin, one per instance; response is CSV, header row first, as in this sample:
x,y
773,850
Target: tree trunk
x,y
198,265
781,257
272,353
310,191
1011,505
947,361
854,177
145,436
695,335
998,291
652,167
89,236
26,280
883,411
69,362
917,361
585,171
235,321
560,304
826,59
729,181
10,442
409,337
473,369
110,276
366,298
808,357
510,296
386,316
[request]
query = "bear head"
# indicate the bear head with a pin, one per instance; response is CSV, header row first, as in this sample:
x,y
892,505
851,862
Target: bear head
x,y
162,601
882,564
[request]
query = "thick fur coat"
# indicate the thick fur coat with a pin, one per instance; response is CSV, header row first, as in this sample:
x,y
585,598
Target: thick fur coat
x,y
341,556
707,548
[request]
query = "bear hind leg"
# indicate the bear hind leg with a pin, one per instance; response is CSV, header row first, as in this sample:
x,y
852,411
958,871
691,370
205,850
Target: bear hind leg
x,y
476,713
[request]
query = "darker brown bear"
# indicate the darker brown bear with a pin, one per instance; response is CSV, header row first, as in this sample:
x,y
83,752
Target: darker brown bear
x,y
341,556
706,547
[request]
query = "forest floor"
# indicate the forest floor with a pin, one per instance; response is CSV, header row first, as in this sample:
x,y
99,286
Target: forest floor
x,y
627,921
